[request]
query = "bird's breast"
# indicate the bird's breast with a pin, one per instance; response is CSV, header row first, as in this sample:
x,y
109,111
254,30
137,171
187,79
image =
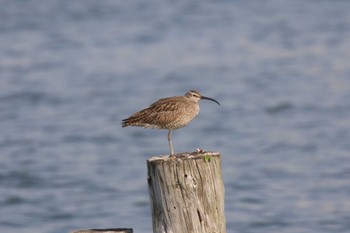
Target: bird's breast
x,y
183,116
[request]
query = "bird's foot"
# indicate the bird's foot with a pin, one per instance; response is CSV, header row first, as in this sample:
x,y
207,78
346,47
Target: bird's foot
x,y
198,150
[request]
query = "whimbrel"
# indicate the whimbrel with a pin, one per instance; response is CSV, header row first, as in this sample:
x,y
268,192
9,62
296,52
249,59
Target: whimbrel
x,y
168,113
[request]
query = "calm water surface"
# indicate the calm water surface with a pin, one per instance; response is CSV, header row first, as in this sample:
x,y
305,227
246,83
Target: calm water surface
x,y
70,71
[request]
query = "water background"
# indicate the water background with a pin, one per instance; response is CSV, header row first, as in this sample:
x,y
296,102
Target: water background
x,y
70,71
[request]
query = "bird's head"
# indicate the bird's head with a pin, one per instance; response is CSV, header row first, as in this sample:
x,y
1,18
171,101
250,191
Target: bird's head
x,y
196,96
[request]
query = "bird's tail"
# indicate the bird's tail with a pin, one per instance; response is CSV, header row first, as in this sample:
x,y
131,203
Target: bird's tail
x,y
132,121
125,123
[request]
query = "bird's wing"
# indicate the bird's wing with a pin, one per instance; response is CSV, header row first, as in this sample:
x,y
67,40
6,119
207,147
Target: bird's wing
x,y
161,112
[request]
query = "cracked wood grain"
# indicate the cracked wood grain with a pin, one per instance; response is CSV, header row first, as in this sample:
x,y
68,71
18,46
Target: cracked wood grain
x,y
187,193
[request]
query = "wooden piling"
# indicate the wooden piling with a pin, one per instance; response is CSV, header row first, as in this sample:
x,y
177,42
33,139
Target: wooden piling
x,y
110,230
187,193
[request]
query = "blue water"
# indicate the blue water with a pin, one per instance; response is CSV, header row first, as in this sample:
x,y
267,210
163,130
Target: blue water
x,y
70,71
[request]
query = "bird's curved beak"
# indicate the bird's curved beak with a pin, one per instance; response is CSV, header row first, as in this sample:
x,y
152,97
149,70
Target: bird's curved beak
x,y
207,98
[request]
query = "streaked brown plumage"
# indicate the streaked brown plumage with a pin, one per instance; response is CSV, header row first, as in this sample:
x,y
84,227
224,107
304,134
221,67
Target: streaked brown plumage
x,y
168,113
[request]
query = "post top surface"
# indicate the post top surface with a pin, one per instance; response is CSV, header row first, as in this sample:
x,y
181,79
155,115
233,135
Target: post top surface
x,y
184,156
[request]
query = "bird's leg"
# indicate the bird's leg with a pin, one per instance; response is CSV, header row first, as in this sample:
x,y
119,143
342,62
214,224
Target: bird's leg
x,y
170,143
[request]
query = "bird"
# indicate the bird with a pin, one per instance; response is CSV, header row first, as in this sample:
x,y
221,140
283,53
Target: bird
x,y
168,113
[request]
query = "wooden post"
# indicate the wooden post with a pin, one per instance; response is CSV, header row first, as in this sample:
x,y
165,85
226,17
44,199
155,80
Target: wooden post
x,y
111,230
187,193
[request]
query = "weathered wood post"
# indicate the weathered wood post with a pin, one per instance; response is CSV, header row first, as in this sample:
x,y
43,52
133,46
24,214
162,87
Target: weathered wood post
x,y
110,230
187,193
